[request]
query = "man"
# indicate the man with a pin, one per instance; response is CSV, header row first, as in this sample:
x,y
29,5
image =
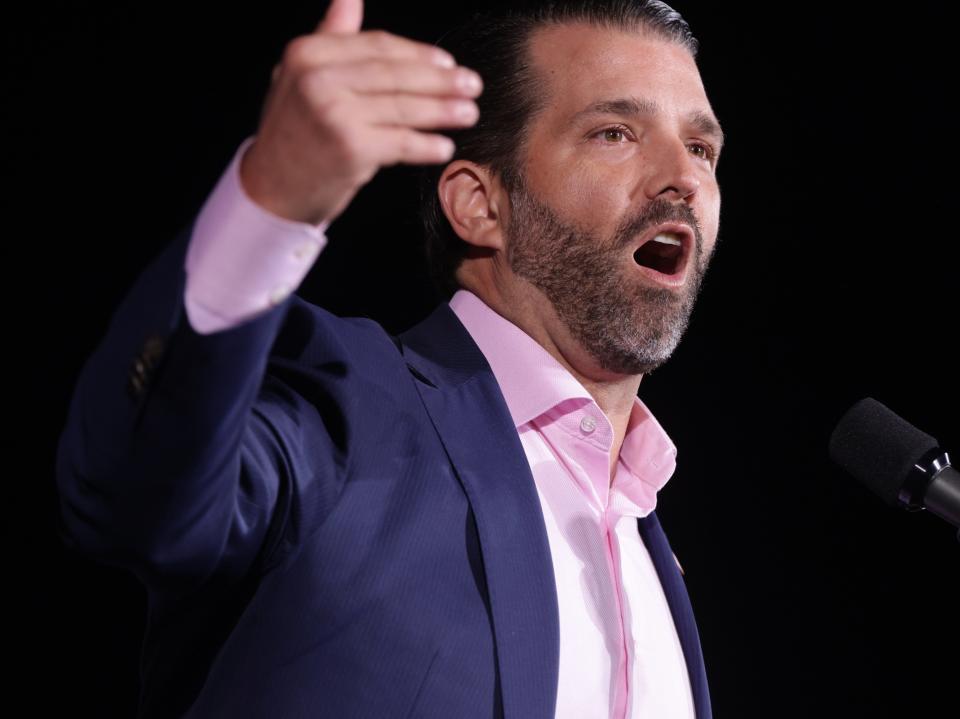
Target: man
x,y
456,522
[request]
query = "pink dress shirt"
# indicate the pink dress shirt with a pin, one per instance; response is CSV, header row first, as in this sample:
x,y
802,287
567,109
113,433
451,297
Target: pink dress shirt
x,y
620,657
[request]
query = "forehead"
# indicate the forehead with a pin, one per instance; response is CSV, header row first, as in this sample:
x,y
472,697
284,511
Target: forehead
x,y
582,63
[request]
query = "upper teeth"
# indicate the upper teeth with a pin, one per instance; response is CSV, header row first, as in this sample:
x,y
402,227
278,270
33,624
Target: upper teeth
x,y
668,238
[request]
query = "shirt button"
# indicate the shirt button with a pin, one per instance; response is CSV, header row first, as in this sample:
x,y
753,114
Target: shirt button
x,y
306,251
588,424
278,295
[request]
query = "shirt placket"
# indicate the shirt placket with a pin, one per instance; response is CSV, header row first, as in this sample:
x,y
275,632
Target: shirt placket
x,y
598,432
621,694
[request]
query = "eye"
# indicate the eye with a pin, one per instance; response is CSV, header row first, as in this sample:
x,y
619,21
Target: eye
x,y
616,135
704,151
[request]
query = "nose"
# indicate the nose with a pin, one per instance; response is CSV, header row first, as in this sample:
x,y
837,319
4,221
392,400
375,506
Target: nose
x,y
675,174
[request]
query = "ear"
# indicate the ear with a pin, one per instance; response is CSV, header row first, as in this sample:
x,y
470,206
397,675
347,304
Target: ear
x,y
471,200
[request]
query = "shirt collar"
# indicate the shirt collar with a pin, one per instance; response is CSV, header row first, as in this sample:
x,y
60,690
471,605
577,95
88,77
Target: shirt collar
x,y
533,382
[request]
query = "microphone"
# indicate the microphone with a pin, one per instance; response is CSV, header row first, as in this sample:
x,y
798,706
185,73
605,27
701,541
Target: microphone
x,y
907,468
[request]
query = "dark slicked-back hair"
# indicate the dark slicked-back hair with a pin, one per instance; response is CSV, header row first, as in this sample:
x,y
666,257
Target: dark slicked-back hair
x,y
495,44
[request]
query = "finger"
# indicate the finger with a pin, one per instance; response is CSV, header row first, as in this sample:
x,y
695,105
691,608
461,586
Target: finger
x,y
405,76
343,17
416,111
395,145
313,50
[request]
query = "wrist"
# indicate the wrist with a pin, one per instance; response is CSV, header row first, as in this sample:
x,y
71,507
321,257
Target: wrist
x,y
270,193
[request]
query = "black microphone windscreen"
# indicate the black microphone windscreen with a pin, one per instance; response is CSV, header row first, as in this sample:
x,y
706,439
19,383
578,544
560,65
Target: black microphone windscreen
x,y
878,447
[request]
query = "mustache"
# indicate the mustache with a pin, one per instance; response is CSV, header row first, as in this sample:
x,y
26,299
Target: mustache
x,y
657,212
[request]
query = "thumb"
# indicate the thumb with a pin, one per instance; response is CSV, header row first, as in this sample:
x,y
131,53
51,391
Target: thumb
x,y
343,17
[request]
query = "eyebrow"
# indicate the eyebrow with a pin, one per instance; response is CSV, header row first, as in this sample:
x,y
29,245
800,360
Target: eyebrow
x,y
637,107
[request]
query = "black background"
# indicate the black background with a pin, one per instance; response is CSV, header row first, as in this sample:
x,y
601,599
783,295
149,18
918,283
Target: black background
x,y
834,279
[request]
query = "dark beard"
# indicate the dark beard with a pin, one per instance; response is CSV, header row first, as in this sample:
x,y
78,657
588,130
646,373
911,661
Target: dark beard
x,y
628,327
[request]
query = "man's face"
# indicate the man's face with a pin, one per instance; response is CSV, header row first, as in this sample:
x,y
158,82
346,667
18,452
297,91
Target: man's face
x,y
623,152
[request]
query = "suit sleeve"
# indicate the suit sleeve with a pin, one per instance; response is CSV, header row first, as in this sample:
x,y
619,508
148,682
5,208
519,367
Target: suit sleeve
x,y
179,458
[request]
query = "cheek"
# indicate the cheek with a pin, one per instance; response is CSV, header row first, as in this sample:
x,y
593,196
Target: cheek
x,y
712,221
707,210
591,199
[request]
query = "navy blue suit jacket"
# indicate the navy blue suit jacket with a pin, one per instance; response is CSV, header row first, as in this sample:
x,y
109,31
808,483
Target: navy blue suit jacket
x,y
329,521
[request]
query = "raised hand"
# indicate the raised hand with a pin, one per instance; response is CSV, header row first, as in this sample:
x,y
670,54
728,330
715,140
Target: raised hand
x,y
344,103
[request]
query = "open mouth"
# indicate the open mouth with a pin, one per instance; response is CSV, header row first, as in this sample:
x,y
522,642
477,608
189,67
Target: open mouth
x,y
663,253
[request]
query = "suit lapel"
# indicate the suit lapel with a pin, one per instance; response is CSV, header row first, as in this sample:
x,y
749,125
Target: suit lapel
x,y
467,409
679,602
